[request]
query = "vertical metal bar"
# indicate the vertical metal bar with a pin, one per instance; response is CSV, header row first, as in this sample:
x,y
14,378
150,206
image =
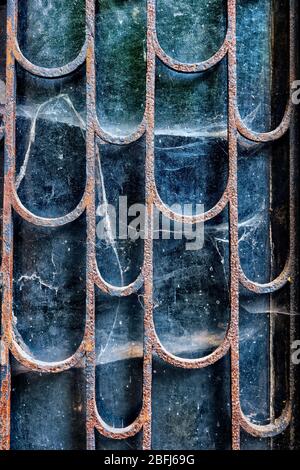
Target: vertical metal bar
x,y
148,253
7,244
292,222
90,219
233,229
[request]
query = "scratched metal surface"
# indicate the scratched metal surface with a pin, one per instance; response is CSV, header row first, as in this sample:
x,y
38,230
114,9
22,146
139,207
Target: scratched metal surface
x,y
22,209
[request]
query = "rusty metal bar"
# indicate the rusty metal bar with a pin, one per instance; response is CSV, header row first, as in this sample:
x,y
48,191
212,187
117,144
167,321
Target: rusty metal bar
x,y
95,135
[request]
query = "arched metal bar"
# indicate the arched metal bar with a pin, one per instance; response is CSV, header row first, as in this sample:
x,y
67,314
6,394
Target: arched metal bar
x,y
118,140
184,363
268,287
44,221
33,364
117,433
262,137
267,430
190,219
284,125
116,291
186,67
45,72
183,66
50,72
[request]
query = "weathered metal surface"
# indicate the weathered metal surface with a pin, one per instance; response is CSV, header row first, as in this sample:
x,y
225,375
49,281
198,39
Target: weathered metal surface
x,y
94,134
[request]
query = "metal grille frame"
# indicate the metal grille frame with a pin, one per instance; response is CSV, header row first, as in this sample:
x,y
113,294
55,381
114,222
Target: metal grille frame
x,y
96,135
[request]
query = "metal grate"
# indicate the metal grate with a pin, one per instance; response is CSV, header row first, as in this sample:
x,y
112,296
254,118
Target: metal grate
x,y
95,134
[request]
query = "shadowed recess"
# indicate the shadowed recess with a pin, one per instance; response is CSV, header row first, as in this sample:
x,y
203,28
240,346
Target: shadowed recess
x,y
282,316
191,149
264,359
263,208
192,105
49,288
262,27
191,30
191,170
48,411
254,205
120,64
249,442
191,292
120,173
255,356
184,419
50,136
119,357
280,194
51,32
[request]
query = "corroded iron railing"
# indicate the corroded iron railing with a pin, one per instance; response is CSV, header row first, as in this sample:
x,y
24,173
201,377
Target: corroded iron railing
x,y
94,135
